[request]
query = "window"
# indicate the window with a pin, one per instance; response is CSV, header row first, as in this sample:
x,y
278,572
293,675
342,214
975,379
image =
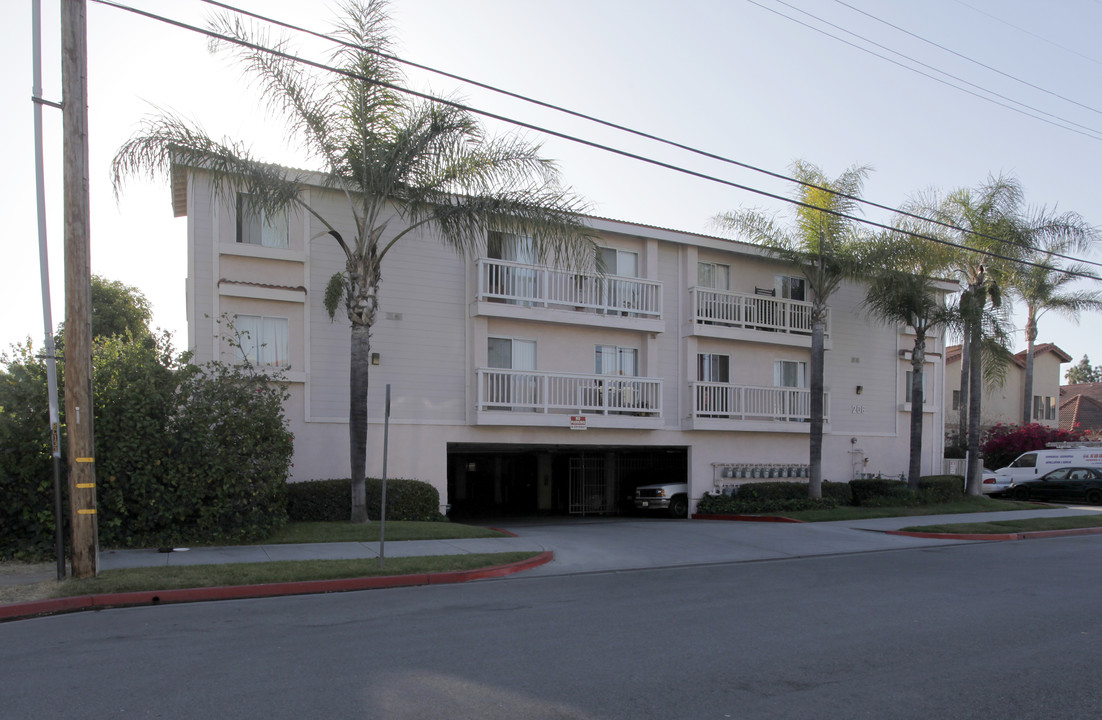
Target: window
x,y
516,248
791,288
907,388
621,263
255,227
956,399
1044,407
613,360
789,373
713,368
1025,461
512,354
261,340
713,275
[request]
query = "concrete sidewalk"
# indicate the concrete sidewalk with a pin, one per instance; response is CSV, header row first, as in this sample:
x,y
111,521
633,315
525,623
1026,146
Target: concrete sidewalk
x,y
573,545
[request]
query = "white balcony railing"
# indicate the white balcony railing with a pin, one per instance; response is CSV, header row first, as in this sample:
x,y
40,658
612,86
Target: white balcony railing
x,y
746,402
568,393
532,285
756,312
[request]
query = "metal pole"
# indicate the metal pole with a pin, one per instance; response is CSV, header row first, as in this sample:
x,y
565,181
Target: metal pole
x,y
382,499
44,267
78,292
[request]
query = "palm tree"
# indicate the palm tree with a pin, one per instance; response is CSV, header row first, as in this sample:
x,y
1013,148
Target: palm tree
x,y
402,166
904,290
823,245
987,218
1043,286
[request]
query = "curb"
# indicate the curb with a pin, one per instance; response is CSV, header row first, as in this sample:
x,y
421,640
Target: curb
x,y
748,518
36,608
1035,535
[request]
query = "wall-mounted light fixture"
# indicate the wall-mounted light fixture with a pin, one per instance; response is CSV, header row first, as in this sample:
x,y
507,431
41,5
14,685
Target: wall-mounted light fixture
x,y
471,467
860,389
374,358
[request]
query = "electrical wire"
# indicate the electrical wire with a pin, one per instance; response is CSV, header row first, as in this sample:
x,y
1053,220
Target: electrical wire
x,y
588,143
1085,131
965,57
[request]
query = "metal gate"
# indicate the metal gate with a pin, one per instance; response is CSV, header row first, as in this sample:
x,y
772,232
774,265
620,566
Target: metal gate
x,y
591,489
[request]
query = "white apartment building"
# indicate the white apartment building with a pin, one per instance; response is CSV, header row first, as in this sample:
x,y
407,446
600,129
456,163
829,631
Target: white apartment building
x,y
519,388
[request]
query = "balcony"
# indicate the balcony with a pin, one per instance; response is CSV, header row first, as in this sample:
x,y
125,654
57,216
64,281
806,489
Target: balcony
x,y
723,406
745,316
521,397
533,292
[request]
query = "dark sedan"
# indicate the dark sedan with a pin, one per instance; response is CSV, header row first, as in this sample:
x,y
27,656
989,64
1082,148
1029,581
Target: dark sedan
x,y
1073,483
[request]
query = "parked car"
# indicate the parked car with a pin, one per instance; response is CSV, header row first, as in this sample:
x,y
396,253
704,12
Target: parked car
x,y
671,497
1074,483
993,484
1035,463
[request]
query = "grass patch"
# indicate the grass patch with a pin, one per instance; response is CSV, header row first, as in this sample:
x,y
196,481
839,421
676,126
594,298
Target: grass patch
x,y
1013,526
965,505
193,576
319,532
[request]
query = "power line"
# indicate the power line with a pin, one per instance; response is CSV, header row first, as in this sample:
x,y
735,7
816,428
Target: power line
x,y
965,57
622,128
1033,34
1085,131
580,141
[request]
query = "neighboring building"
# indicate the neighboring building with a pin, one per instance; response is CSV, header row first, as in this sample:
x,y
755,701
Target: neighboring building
x,y
1004,404
1081,407
518,388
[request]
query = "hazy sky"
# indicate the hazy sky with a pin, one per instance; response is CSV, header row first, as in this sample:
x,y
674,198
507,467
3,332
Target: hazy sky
x,y
732,77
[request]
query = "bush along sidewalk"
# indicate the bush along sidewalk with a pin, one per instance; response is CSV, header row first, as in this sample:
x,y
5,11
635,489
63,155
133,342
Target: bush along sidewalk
x,y
331,500
781,497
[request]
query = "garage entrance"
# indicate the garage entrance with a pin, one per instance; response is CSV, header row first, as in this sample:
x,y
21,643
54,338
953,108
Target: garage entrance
x,y
534,480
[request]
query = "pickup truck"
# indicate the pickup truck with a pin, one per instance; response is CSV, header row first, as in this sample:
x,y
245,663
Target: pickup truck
x,y
671,497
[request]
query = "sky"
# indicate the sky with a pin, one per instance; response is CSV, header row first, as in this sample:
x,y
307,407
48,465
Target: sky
x,y
756,81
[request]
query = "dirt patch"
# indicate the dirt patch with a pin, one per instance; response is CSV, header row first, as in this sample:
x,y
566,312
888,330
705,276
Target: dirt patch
x,y
23,582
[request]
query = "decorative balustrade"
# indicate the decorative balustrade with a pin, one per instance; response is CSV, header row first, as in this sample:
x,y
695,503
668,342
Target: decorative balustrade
x,y
747,402
754,312
568,393
533,285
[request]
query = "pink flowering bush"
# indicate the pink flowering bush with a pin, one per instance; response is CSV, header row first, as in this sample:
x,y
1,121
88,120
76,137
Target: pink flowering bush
x,y
1003,443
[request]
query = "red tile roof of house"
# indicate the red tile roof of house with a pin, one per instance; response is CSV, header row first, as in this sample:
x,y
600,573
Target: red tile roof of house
x,y
1080,412
952,353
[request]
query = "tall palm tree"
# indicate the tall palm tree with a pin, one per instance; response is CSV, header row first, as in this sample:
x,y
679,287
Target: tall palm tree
x,y
1046,288
904,289
987,218
402,166
823,246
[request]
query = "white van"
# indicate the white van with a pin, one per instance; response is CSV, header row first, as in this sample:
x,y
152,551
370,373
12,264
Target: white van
x,y
1034,464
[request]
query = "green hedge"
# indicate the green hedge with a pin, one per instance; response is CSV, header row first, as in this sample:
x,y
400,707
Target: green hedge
x,y
331,500
936,489
737,505
883,492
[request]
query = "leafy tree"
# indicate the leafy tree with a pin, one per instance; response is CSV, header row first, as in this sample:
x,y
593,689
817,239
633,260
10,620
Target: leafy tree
x,y
1043,286
1084,372
404,167
824,247
903,290
119,309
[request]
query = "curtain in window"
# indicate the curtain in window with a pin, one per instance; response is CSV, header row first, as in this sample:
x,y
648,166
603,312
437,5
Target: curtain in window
x,y
789,373
713,275
274,335
255,227
713,368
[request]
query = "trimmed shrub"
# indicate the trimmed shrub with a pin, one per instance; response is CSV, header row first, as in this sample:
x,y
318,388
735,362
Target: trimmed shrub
x,y
767,497
937,489
882,492
840,492
331,500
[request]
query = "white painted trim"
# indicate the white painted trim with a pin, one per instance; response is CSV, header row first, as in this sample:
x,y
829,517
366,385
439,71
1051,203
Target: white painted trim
x,y
259,251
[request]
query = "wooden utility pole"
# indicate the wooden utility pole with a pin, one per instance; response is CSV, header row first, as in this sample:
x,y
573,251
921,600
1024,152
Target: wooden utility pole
x,y
78,291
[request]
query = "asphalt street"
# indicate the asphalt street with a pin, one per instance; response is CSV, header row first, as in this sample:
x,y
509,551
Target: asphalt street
x,y
958,631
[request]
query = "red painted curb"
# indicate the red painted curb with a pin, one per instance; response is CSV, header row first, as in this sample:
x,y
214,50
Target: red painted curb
x,y
748,518
236,592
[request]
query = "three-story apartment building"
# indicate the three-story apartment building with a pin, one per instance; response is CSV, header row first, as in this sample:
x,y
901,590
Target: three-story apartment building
x,y
522,388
